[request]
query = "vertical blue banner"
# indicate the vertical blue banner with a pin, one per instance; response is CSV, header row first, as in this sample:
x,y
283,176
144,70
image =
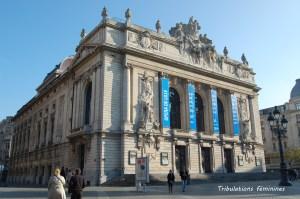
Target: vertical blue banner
x,y
191,92
165,98
235,116
215,116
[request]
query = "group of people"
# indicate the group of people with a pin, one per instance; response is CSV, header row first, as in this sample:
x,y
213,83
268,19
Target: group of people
x,y
185,180
57,182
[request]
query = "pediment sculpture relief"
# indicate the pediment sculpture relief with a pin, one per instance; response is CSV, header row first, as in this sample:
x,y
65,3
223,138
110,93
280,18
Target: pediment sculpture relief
x,y
198,48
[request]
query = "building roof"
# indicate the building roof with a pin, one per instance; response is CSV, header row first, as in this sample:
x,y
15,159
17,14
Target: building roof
x,y
296,89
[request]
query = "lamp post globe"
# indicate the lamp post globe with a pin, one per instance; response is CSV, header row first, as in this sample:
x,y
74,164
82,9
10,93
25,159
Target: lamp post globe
x,y
278,125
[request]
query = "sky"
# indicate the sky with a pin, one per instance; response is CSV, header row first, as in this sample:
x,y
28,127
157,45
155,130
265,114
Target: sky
x,y
36,35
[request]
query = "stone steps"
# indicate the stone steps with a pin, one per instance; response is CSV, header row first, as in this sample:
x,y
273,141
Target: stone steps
x,y
157,179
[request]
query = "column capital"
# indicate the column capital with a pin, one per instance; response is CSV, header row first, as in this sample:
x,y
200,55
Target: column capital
x,y
127,65
190,81
212,87
163,74
250,97
231,92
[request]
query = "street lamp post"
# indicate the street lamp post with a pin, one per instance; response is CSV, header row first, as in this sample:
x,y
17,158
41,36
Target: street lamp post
x,y
278,124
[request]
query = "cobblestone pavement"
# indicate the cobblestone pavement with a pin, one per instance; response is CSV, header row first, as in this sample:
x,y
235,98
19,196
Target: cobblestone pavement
x,y
243,190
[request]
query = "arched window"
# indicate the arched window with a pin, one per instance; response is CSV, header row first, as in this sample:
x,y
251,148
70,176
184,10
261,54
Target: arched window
x,y
175,122
88,97
221,117
199,109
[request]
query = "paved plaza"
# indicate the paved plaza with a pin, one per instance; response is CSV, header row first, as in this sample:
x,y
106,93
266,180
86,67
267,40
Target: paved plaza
x,y
211,190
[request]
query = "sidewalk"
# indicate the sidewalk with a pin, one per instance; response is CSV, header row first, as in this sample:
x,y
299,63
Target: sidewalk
x,y
230,190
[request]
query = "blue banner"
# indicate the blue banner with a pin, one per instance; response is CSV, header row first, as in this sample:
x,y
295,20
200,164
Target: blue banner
x,y
191,92
215,116
235,116
165,98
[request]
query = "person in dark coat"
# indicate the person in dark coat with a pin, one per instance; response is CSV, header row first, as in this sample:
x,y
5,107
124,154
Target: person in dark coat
x,y
62,172
76,185
171,180
183,176
188,177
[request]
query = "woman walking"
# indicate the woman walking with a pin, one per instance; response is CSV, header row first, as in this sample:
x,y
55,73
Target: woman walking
x,y
171,180
56,186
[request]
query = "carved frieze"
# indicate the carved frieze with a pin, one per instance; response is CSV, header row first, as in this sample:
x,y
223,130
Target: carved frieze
x,y
145,40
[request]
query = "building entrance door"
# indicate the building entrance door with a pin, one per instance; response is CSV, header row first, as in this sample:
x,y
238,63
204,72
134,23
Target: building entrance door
x,y
228,160
81,157
180,158
206,159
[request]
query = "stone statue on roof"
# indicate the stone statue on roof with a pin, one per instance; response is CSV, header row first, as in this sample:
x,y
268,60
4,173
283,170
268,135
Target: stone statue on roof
x,y
244,60
197,48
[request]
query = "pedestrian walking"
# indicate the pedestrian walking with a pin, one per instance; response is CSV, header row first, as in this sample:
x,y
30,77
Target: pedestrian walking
x,y
171,180
183,179
69,176
62,172
292,173
56,186
188,177
76,185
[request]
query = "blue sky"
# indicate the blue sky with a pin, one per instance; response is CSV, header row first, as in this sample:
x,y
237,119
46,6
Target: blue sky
x,y
36,35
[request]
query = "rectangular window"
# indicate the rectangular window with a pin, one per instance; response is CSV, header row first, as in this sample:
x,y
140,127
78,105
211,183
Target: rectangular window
x,y
298,118
285,145
268,160
298,106
52,128
274,147
298,131
45,131
39,133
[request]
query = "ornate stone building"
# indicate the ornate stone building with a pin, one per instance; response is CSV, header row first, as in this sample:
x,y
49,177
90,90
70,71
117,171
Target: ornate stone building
x,y
130,92
6,131
291,140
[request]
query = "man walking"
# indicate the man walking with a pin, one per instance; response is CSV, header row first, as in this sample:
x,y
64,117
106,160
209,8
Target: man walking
x,y
183,176
76,185
171,179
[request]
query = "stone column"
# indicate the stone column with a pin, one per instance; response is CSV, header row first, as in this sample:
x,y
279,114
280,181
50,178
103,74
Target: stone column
x,y
230,116
81,105
200,156
97,95
173,144
189,164
126,97
234,157
210,120
212,157
222,143
252,119
93,99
